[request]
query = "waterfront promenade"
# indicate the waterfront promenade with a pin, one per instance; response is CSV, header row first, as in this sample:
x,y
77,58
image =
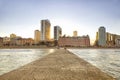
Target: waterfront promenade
x,y
59,65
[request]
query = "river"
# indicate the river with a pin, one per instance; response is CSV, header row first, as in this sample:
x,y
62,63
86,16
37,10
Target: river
x,y
11,59
108,60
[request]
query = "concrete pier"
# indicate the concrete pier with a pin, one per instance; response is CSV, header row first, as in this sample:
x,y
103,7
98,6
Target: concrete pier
x,y
59,65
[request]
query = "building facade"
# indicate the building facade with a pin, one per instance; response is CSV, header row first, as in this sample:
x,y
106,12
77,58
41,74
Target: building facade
x,y
1,41
96,41
37,37
106,39
75,34
45,30
83,41
24,41
110,39
102,36
117,42
12,36
57,32
13,39
6,40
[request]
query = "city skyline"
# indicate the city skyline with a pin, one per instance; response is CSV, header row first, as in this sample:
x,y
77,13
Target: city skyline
x,y
22,17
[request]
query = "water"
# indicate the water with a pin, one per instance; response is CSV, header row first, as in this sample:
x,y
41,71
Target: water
x,y
11,59
108,60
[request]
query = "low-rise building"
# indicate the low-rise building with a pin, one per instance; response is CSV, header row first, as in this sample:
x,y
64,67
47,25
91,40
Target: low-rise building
x,y
24,41
117,42
82,41
1,41
6,41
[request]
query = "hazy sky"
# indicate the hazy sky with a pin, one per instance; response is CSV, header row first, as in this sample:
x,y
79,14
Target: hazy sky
x,y
22,17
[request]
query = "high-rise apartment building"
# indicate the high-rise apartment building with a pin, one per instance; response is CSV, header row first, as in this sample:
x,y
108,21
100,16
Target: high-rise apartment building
x,y
57,32
36,36
102,36
96,36
75,34
45,30
96,41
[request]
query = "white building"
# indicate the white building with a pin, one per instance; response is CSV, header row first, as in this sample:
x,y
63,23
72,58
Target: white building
x,y
102,36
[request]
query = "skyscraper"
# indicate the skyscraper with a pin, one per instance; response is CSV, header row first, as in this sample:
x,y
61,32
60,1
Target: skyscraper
x,y
57,32
75,34
36,36
96,36
102,36
96,41
45,30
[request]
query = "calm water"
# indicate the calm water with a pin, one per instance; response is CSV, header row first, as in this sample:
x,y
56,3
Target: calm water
x,y
11,59
108,60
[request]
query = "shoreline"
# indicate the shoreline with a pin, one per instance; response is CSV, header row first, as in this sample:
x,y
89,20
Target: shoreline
x,y
41,47
59,65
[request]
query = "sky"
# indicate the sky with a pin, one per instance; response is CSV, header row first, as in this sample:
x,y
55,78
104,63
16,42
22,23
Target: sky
x,y
22,17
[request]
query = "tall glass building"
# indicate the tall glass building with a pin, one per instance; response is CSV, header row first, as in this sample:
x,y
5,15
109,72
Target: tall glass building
x,y
102,36
45,30
57,32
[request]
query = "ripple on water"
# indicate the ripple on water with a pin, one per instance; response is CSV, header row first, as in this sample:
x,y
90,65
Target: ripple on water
x,y
11,59
108,60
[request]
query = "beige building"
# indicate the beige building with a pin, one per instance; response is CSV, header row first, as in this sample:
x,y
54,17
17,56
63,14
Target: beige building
x,y
96,41
12,39
97,36
117,40
75,34
110,39
45,30
6,39
12,36
24,41
1,41
37,37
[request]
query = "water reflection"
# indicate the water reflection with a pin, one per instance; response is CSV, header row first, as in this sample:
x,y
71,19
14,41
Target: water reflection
x,y
108,60
11,59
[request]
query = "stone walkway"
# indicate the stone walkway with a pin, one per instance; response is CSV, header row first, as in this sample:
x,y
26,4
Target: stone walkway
x,y
59,65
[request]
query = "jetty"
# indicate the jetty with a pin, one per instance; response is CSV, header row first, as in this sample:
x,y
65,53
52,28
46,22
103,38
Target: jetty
x,y
59,65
